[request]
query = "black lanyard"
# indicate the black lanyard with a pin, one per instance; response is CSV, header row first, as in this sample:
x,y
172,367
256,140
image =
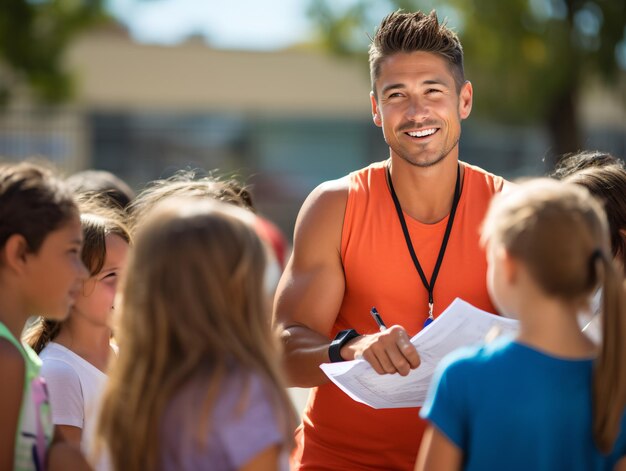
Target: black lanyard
x,y
430,287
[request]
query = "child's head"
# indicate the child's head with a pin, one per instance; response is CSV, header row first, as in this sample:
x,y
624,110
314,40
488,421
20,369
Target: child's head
x,y
40,239
575,162
202,258
193,304
556,230
114,192
105,244
188,184
608,183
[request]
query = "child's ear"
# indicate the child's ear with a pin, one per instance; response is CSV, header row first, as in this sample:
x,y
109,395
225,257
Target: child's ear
x,y
14,253
510,266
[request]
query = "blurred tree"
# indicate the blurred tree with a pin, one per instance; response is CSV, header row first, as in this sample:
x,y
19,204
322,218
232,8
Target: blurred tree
x,y
528,59
33,36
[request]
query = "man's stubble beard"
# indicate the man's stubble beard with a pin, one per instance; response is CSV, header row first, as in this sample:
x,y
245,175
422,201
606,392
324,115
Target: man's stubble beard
x,y
432,163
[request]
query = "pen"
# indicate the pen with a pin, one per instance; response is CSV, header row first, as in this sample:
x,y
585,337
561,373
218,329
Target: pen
x,y
378,319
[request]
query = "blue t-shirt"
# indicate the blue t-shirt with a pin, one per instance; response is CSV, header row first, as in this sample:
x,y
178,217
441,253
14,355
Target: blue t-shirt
x,y
508,406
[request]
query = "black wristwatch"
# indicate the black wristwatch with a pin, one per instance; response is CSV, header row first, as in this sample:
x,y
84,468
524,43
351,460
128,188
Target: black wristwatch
x,y
342,338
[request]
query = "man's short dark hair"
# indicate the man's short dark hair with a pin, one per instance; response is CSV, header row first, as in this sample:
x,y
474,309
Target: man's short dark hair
x,y
411,32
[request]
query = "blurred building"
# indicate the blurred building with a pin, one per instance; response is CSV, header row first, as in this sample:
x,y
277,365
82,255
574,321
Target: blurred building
x,y
282,121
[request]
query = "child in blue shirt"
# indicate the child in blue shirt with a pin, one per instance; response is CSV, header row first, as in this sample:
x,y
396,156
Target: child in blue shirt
x,y
547,399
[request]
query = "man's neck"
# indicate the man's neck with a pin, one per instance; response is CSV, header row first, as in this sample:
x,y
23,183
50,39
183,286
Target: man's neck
x,y
425,193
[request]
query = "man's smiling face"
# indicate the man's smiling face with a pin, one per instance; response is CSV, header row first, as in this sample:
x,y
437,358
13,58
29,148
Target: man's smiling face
x,y
419,108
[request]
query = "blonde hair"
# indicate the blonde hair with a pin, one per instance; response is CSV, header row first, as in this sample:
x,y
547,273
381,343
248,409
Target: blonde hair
x,y
97,223
560,233
193,303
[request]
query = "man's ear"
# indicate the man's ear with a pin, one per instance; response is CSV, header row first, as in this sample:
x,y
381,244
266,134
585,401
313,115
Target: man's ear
x,y
375,111
465,99
14,253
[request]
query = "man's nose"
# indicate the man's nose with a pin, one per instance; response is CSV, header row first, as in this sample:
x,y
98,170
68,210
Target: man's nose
x,y
416,110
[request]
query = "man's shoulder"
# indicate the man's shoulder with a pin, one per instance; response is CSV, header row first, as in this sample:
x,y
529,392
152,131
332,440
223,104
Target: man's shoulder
x,y
329,194
493,183
363,175
321,214
328,200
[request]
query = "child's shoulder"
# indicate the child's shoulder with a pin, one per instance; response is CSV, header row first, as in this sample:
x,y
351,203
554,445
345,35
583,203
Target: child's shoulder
x,y
11,359
57,367
478,357
250,382
58,356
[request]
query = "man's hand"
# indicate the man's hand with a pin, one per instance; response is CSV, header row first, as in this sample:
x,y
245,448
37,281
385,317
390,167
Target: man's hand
x,y
389,351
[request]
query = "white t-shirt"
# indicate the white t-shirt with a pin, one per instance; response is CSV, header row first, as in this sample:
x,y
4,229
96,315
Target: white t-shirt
x,y
75,387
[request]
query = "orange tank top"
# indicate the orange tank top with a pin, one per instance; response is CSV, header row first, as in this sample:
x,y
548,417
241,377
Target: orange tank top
x,y
338,433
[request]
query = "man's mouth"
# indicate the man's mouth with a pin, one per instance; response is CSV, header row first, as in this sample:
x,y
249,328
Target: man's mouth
x,y
422,133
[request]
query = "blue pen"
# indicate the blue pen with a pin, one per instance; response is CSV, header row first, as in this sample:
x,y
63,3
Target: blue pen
x,y
378,319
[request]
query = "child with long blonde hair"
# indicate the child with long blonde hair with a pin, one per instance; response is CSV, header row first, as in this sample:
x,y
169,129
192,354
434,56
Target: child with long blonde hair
x,y
196,384
40,271
547,399
76,351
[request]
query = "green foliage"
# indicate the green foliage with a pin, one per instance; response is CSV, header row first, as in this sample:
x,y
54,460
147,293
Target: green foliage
x,y
525,54
33,37
522,56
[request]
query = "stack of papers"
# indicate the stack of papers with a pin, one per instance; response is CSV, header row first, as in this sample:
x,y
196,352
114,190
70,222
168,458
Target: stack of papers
x,y
460,325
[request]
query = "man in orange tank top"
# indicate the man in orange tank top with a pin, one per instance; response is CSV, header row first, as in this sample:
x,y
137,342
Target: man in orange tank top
x,y
400,235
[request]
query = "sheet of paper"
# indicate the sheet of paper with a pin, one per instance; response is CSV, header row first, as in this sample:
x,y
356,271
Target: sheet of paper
x,y
460,325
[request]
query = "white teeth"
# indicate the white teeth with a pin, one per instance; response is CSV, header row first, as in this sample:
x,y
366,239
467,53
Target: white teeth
x,y
425,132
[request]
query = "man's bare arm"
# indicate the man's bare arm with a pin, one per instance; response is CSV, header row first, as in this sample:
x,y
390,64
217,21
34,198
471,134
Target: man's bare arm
x,y
311,289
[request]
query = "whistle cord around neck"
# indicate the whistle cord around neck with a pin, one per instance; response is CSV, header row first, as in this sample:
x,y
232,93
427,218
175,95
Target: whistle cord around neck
x,y
430,287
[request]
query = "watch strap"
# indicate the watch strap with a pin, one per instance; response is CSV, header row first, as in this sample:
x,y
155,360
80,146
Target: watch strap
x,y
342,338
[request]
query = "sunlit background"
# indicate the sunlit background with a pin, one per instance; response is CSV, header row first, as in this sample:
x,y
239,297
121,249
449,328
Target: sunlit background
x,y
276,92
